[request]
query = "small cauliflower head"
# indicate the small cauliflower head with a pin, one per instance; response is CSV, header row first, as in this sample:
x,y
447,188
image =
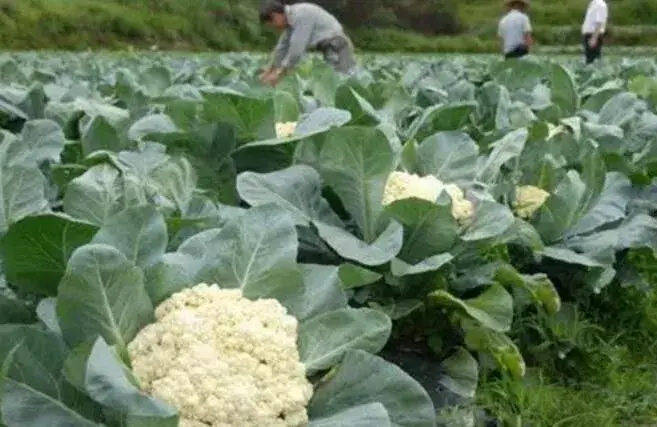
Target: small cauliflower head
x,y
528,200
223,360
402,185
285,129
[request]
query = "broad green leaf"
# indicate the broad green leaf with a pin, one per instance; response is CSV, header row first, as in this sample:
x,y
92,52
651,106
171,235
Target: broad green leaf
x,y
102,294
638,231
287,108
355,163
31,378
176,180
493,308
255,252
94,196
319,121
610,207
324,339
569,257
491,219
450,156
22,189
449,117
380,251
619,110
367,415
363,378
563,89
354,276
14,311
461,373
47,313
42,140
539,286
106,382
296,190
100,135
398,309
322,291
252,118
139,232
505,149
35,250
500,346
399,268
429,228
151,125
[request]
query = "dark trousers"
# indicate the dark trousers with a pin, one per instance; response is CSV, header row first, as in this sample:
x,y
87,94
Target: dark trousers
x,y
591,54
518,52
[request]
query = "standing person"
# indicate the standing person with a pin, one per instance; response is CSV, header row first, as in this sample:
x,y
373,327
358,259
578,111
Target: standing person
x,y
305,26
515,29
593,29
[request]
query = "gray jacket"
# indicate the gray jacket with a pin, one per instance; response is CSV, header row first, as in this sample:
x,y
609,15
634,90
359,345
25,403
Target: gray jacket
x,y
309,25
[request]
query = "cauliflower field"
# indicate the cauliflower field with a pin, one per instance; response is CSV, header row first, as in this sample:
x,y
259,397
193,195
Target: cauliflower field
x,y
182,246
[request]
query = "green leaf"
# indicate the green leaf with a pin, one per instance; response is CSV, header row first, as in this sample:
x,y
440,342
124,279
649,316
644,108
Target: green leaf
x,y
47,313
539,286
429,228
355,163
367,415
400,269
363,378
491,219
151,125
348,246
32,379
569,257
139,232
252,118
255,252
296,190
94,196
461,373
42,140
176,180
563,89
500,346
354,276
322,292
319,121
324,339
638,231
505,149
102,294
450,156
106,382
493,308
100,135
36,249
449,117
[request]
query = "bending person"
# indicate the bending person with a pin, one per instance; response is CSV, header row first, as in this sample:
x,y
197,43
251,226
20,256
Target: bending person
x,y
515,30
305,26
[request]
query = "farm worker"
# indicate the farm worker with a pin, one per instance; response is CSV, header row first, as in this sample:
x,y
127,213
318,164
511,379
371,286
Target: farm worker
x,y
593,29
515,29
305,26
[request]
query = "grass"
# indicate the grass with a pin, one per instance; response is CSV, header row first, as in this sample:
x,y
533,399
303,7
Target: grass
x,y
608,374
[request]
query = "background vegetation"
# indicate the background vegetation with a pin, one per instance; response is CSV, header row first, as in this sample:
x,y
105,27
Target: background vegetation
x,y
375,25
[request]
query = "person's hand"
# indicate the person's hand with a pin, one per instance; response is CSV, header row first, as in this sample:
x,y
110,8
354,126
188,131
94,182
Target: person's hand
x,y
273,77
264,75
593,42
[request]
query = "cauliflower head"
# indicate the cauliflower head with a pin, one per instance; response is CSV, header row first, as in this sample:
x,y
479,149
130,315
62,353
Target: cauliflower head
x,y
402,185
223,360
528,200
285,129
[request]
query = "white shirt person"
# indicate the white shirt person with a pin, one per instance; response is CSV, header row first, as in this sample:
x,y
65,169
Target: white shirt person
x,y
515,30
594,28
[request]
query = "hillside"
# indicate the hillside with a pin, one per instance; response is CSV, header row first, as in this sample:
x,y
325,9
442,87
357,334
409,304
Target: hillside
x,y
378,25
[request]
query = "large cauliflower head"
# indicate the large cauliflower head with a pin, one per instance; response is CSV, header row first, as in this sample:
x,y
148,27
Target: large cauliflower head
x,y
285,129
223,360
402,185
528,200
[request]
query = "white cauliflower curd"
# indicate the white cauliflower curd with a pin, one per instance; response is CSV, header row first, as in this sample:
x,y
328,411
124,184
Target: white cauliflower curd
x,y
402,185
528,200
285,129
223,360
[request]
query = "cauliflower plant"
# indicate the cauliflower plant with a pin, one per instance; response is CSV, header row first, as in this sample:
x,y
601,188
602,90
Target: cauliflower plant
x,y
402,185
223,360
285,129
528,200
